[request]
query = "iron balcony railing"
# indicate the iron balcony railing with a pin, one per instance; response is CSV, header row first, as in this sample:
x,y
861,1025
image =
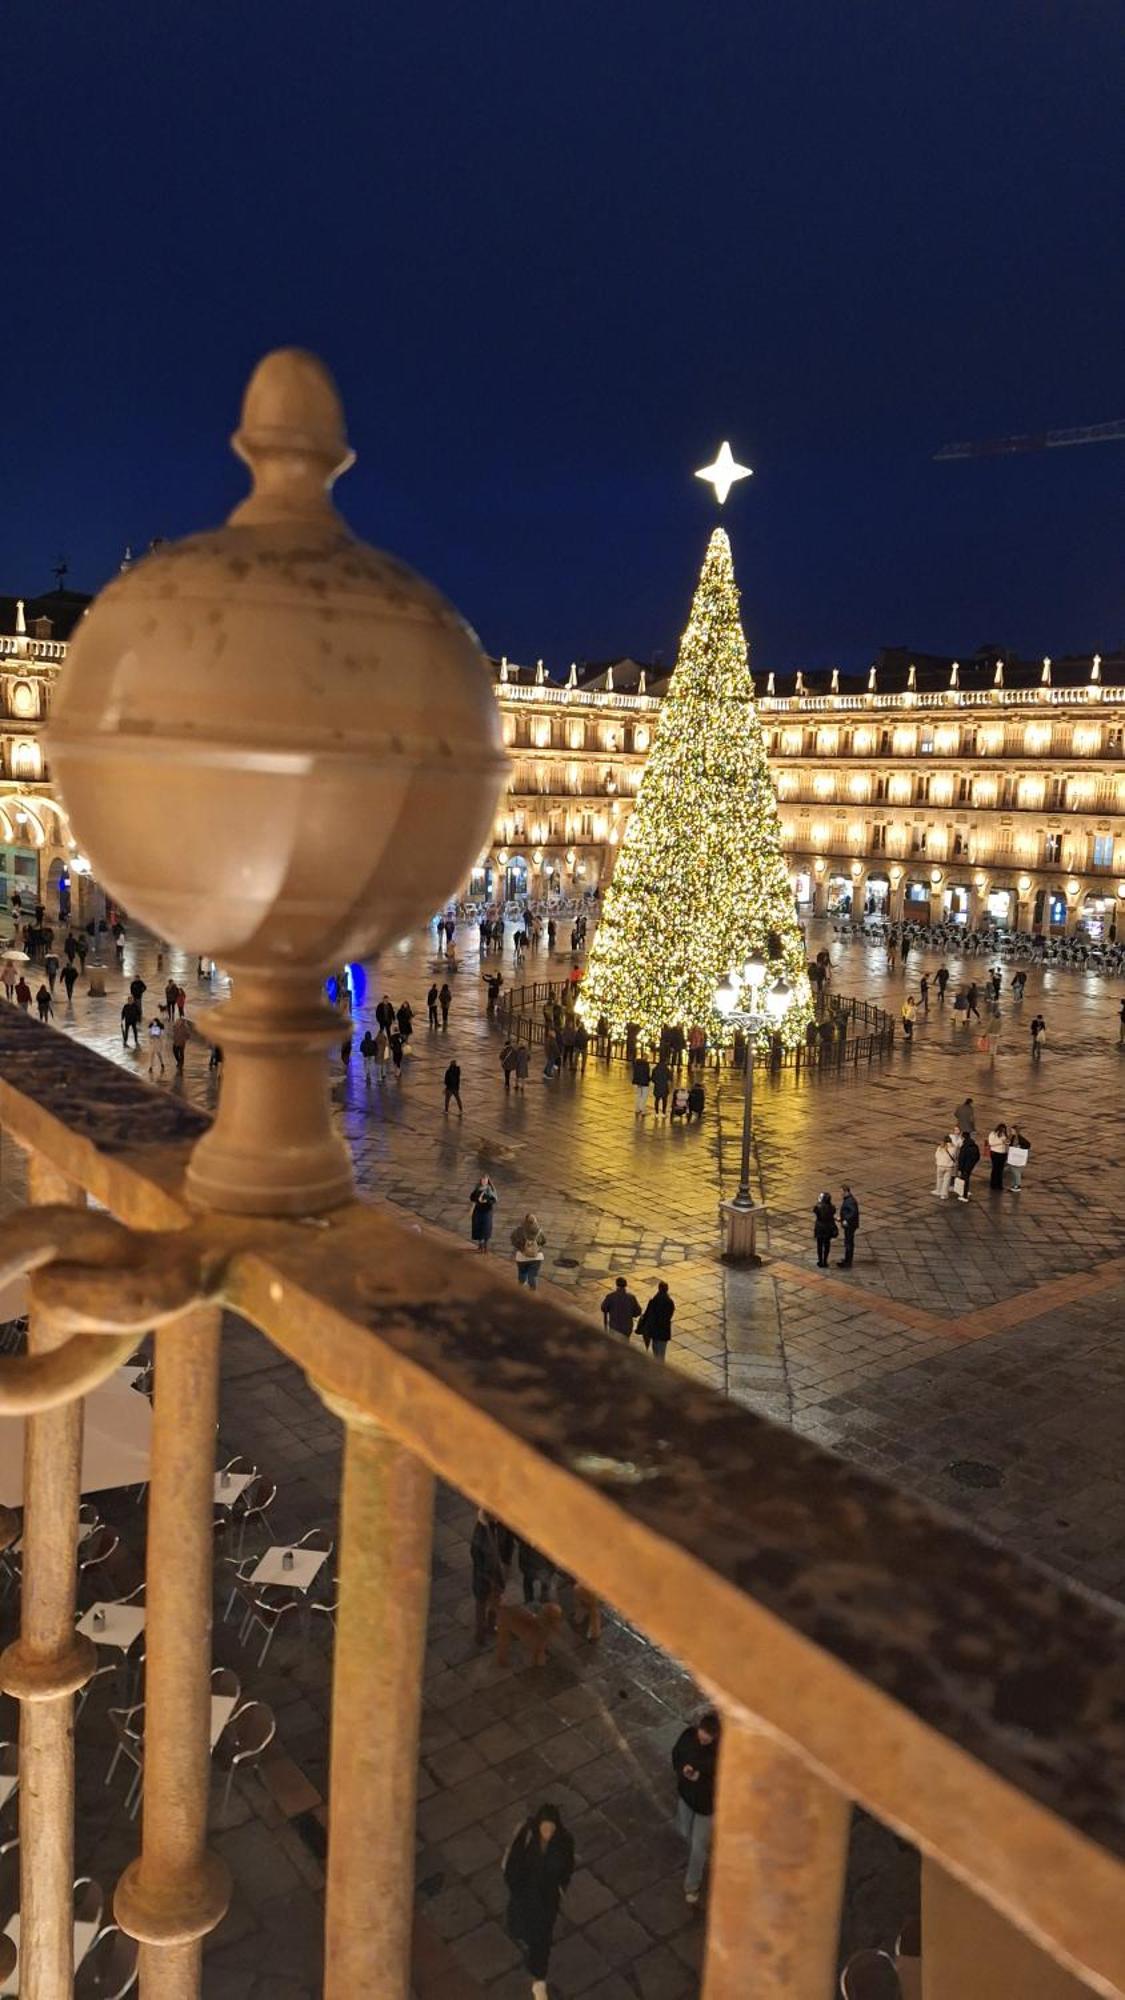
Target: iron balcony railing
x,y
862,1646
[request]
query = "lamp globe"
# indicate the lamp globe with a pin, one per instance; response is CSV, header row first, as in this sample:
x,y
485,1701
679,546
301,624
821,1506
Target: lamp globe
x,y
279,748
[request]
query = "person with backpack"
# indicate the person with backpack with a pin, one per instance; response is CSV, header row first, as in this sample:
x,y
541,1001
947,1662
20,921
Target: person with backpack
x,y
44,1004
529,1243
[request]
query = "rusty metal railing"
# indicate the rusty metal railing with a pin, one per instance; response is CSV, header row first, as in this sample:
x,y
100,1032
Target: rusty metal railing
x,y
862,1646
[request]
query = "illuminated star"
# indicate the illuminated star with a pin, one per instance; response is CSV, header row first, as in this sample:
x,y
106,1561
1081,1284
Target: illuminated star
x,y
724,472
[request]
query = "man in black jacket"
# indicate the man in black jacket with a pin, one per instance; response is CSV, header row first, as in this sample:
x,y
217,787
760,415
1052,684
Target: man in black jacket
x,y
655,1324
693,1760
849,1223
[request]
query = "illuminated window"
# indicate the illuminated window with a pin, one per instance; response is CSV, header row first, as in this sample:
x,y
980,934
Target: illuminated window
x,y
1103,850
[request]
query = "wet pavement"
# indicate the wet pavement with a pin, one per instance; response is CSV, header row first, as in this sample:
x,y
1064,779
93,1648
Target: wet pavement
x,y
972,1353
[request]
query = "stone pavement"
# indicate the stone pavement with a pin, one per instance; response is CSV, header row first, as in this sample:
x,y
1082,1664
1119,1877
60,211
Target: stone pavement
x,y
972,1353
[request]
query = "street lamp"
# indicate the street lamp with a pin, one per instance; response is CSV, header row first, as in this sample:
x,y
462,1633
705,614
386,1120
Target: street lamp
x,y
769,1007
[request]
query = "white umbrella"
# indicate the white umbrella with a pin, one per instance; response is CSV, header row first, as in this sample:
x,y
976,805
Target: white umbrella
x,y
17,957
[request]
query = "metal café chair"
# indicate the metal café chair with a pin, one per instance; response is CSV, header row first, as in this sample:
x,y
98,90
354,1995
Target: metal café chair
x,y
266,1608
327,1607
128,1727
224,1681
89,1901
247,1735
95,1552
253,1504
10,1763
238,1572
110,1672
870,1975
109,1969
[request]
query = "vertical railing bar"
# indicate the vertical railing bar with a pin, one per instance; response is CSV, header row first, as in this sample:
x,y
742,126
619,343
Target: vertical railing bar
x,y
781,1842
49,1660
386,1531
176,1891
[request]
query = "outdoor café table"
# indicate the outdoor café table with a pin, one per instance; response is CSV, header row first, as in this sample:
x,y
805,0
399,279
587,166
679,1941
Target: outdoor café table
x,y
84,1935
8,1782
116,1439
229,1485
222,1708
306,1563
119,1627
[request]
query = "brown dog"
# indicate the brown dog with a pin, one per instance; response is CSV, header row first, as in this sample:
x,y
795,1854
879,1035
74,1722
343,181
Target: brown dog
x,y
588,1611
532,1623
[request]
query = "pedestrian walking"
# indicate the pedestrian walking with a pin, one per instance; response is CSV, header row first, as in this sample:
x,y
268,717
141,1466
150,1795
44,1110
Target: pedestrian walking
x,y
523,1064
642,1077
620,1309
490,1551
23,993
997,1157
398,1049
181,1036
941,981
971,1002
432,1005
945,1163
130,1022
138,989
346,1049
70,981
696,1100
367,1051
655,1323
382,1053
445,996
924,992
1038,1037
529,1243
537,1869
1019,1152
849,1223
965,1116
452,1083
405,1019
51,968
155,1045
170,991
909,1016
694,1756
507,1062
824,1227
967,1157
482,1202
44,1003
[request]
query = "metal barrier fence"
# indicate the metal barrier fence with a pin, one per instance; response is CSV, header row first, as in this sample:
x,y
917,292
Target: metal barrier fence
x,y
521,1013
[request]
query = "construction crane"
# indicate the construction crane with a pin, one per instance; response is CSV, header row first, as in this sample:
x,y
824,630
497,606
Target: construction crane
x,y
1035,441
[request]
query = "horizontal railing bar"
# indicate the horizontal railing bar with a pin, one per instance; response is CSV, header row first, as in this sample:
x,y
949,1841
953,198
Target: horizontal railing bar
x,y
968,1697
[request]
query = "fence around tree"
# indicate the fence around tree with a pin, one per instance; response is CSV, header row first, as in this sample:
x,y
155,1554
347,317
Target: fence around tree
x,y
849,1031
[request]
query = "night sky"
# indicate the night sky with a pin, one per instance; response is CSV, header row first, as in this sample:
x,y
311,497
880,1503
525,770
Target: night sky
x,y
554,253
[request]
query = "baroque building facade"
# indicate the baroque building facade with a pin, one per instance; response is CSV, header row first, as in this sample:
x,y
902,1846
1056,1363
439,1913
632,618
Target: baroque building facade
x,y
925,788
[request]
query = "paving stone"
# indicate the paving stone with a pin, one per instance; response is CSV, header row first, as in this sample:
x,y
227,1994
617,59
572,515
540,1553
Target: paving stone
x,y
486,1951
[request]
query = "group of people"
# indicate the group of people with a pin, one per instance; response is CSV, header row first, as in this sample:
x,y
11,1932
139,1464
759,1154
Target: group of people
x,y
622,1312
958,1154
830,1223
687,1100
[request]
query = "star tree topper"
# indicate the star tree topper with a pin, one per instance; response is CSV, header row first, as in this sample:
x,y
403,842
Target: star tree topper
x,y
724,472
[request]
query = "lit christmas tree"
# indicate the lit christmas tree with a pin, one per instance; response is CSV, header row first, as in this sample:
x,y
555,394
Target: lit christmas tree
x,y
701,882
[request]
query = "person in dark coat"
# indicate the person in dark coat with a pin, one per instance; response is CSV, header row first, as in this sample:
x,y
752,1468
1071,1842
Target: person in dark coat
x,y
537,1571
967,1159
694,1756
490,1551
70,980
452,1082
824,1227
620,1309
696,1099
661,1085
432,1005
385,1013
655,1323
849,1223
483,1200
537,1868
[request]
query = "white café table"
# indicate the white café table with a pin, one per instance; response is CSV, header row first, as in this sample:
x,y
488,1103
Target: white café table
x,y
84,1935
227,1490
306,1564
120,1627
116,1441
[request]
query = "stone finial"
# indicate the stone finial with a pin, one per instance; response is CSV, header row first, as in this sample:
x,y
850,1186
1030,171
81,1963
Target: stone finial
x,y
872,680
642,682
835,680
609,680
998,676
21,621
955,674
572,677
1096,667
912,676
291,436
540,673
1045,676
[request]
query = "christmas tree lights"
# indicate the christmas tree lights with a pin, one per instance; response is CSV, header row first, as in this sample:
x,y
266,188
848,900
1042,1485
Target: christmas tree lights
x,y
701,881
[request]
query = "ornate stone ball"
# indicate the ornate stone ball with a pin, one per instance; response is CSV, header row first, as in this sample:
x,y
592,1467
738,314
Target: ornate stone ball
x,y
279,746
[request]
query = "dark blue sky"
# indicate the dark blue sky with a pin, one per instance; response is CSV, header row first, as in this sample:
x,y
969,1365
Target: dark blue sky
x,y
554,253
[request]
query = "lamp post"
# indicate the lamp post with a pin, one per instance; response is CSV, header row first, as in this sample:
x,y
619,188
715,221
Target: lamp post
x,y
763,1008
